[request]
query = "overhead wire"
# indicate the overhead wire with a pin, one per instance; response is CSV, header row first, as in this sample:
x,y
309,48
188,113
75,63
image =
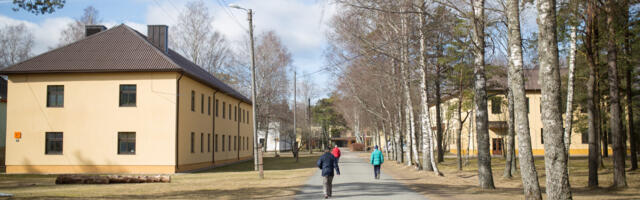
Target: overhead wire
x,y
166,12
223,4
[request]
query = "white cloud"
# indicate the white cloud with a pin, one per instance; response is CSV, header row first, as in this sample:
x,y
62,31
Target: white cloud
x,y
300,24
45,33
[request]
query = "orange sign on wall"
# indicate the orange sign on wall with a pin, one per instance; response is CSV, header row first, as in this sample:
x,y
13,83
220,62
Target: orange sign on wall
x,y
17,134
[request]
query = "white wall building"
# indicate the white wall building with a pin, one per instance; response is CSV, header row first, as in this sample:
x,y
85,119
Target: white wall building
x,y
276,141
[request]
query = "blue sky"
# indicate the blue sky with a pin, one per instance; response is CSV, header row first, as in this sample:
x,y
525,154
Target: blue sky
x,y
300,24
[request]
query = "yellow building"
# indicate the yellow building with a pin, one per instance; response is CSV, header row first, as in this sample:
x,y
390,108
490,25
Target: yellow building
x,y
498,116
121,102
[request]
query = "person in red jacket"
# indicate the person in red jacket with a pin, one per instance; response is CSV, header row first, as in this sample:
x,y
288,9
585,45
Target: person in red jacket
x,y
336,153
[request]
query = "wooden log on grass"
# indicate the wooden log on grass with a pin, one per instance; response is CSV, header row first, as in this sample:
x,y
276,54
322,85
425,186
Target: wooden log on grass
x,y
111,179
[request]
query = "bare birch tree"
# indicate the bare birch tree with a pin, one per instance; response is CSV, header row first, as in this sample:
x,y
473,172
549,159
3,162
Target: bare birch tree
x,y
554,154
528,171
568,121
16,42
485,175
75,30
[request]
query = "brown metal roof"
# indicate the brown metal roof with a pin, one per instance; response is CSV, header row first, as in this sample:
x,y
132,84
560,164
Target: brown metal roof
x,y
119,49
531,80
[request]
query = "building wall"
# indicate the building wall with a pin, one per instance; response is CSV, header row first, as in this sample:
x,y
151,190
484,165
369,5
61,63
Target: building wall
x,y
199,121
90,121
535,126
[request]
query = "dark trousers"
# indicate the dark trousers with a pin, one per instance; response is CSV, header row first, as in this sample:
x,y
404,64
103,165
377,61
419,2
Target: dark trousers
x,y
376,171
326,184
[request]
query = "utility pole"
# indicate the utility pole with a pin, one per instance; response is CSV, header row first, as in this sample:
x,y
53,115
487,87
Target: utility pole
x,y
253,90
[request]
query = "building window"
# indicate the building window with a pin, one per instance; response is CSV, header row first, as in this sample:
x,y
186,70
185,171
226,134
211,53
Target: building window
x,y
202,104
215,142
235,143
201,142
235,113
208,142
55,96
193,135
223,143
541,135
229,143
127,143
224,110
496,105
229,111
193,101
127,95
217,107
527,102
209,106
585,137
53,143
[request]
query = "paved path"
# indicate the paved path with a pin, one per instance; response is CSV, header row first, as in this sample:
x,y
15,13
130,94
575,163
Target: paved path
x,y
356,182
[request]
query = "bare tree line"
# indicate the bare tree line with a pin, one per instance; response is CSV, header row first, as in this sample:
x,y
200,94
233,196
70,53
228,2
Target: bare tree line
x,y
398,61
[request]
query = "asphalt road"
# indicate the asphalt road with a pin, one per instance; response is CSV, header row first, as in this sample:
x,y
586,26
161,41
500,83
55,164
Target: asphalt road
x,y
356,181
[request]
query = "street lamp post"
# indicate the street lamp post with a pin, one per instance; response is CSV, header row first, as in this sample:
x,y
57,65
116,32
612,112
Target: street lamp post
x,y
257,160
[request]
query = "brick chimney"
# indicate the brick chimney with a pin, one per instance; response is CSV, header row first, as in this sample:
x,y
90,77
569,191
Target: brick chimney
x,y
93,29
158,36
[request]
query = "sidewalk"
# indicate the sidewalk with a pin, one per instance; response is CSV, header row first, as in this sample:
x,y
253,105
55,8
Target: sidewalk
x,y
356,182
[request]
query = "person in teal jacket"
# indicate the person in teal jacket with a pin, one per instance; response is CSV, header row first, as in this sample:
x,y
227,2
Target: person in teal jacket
x,y
376,160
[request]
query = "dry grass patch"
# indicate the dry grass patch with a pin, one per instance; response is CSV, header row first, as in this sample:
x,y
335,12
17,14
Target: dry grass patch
x,y
463,184
283,176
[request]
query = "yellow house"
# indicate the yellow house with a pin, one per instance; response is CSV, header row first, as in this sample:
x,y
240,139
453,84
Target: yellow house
x,y
498,116
121,102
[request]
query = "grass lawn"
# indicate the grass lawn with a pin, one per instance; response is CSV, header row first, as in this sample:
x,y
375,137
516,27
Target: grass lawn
x,y
283,176
463,184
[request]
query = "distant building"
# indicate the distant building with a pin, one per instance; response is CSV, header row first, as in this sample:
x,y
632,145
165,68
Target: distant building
x,y
276,140
118,101
498,116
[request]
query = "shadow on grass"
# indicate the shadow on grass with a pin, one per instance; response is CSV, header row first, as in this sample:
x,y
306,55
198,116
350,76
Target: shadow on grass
x,y
270,163
243,193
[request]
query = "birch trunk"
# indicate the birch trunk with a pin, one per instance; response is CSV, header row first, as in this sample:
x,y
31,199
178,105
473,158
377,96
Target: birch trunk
x,y
409,126
554,154
427,157
485,175
510,134
531,186
619,153
568,115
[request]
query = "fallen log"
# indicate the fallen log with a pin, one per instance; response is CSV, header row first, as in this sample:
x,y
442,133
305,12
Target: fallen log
x,y
111,179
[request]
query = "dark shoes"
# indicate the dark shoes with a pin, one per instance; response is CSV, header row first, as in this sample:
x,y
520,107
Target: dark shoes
x,y
326,197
